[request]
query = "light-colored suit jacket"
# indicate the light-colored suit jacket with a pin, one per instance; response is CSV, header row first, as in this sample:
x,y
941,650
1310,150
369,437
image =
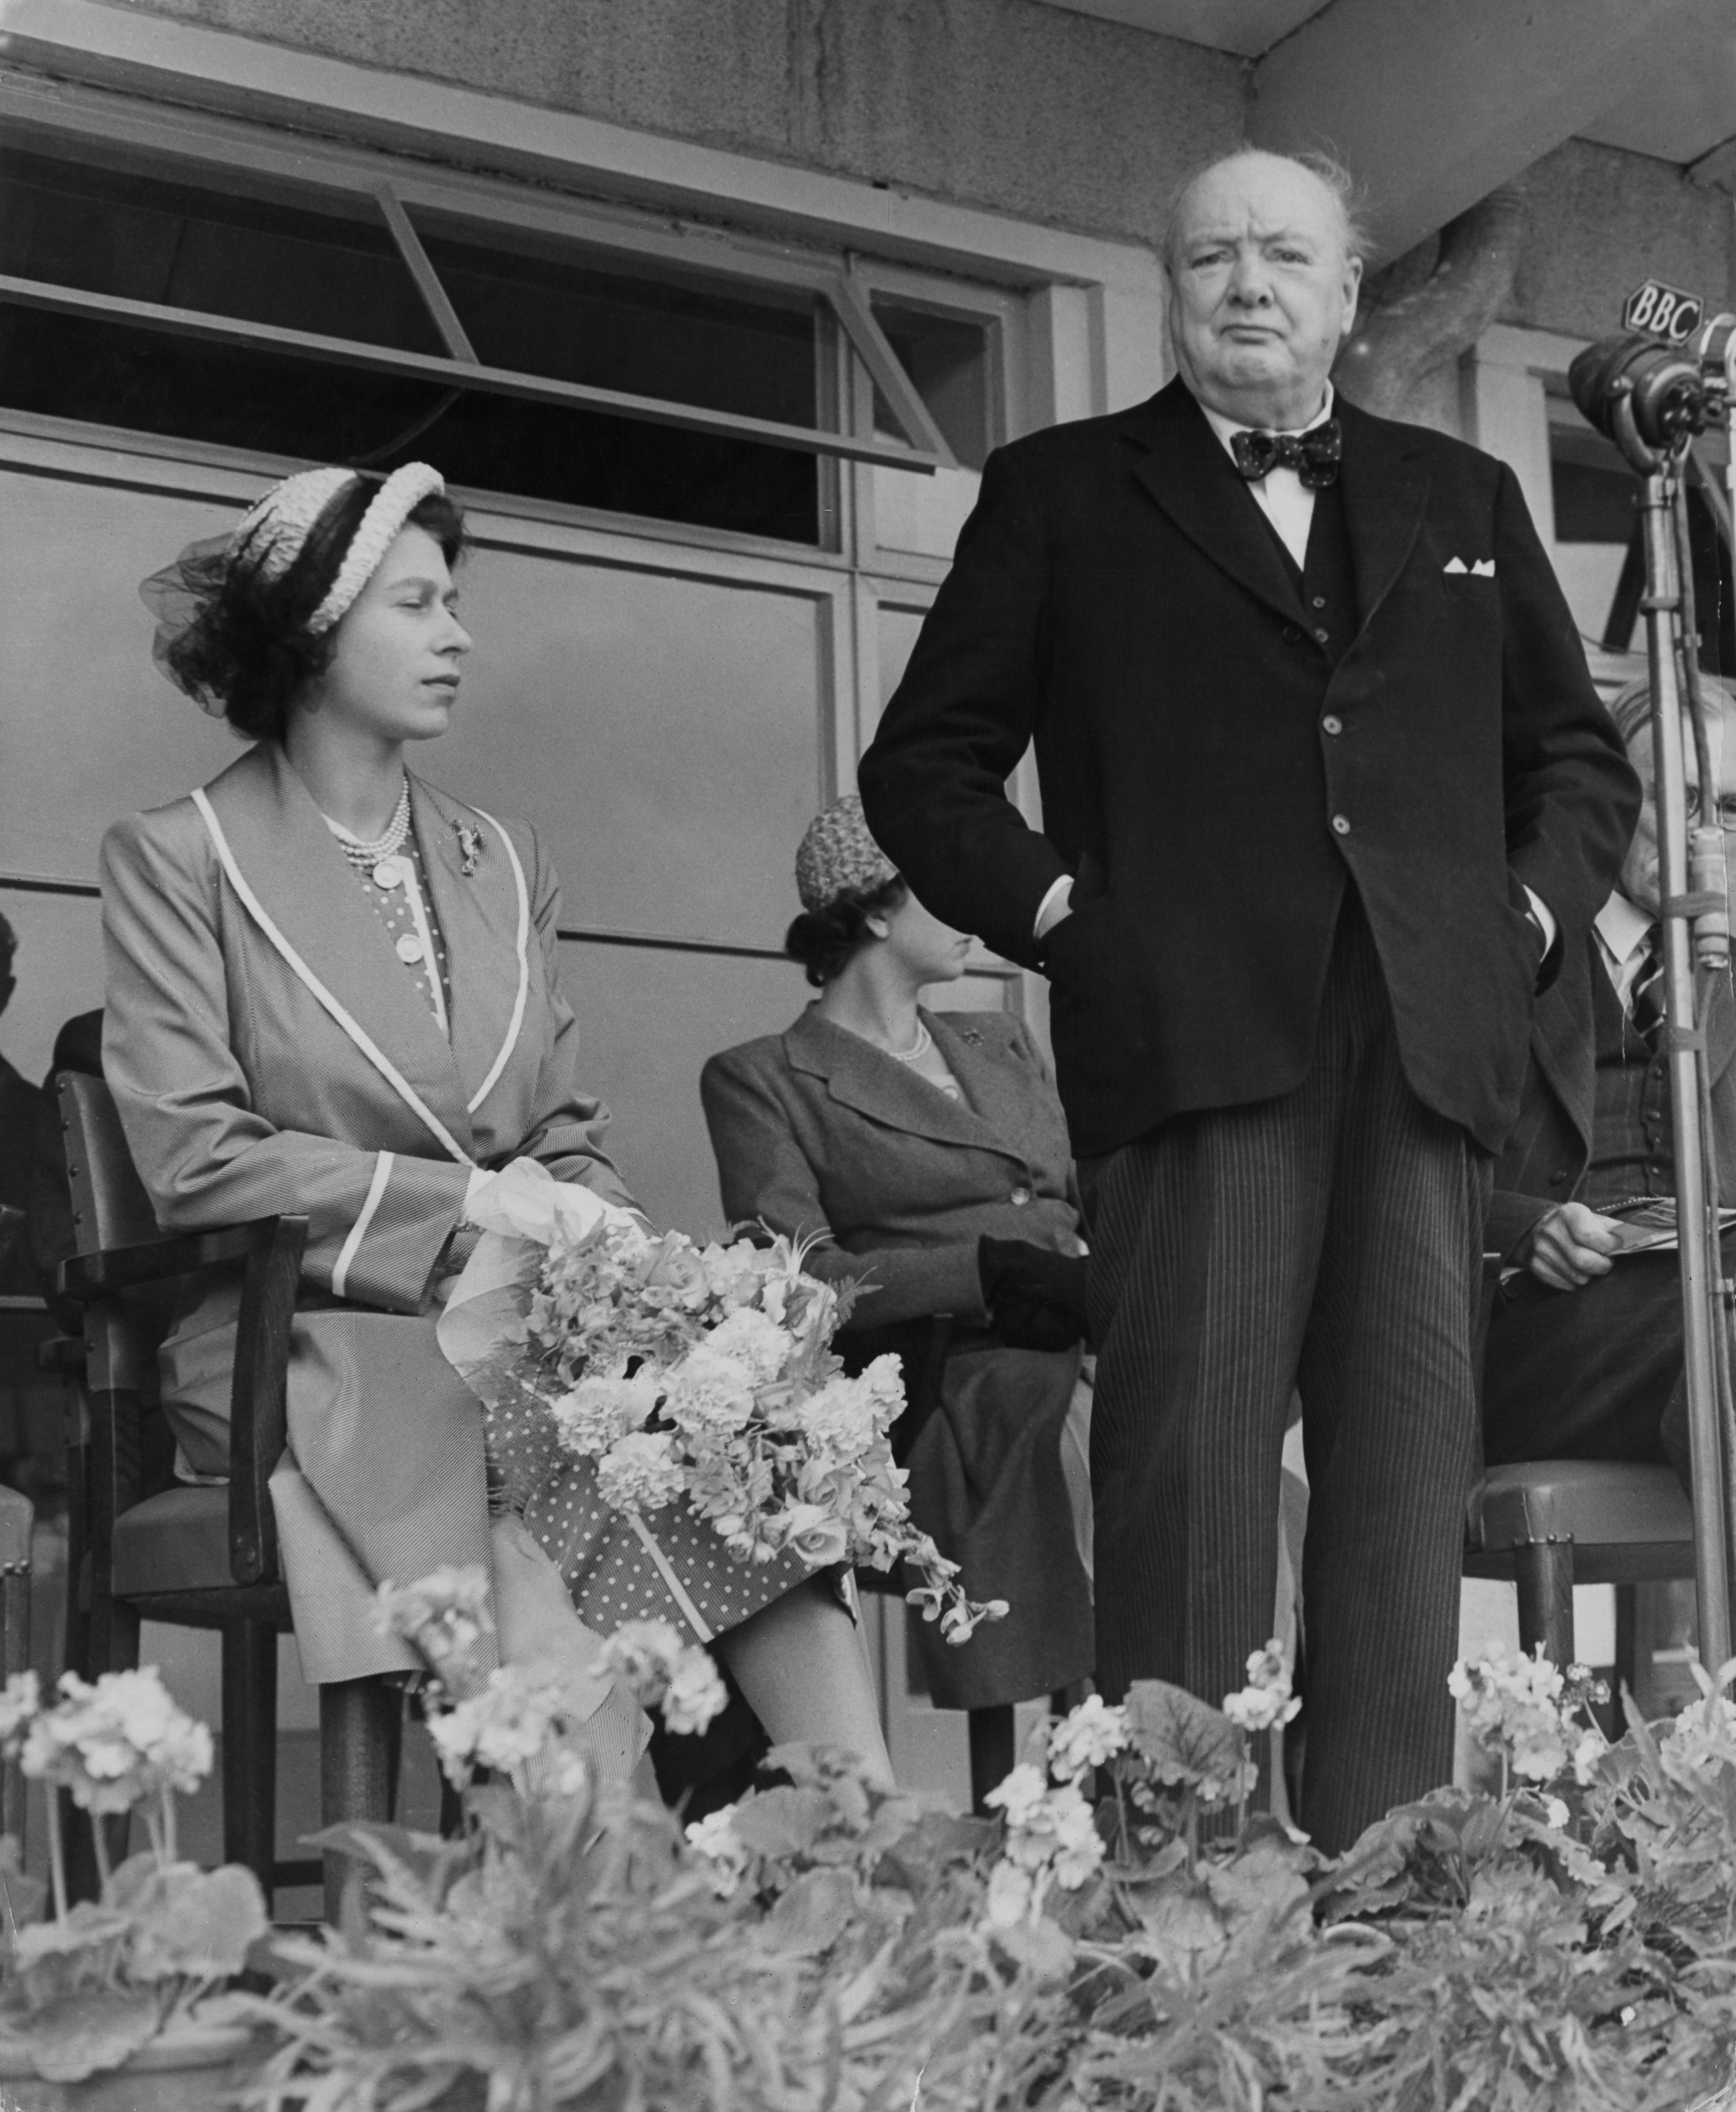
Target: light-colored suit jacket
x,y
243,1096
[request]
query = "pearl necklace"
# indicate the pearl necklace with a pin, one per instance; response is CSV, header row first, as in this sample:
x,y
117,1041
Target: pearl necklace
x,y
361,855
918,1048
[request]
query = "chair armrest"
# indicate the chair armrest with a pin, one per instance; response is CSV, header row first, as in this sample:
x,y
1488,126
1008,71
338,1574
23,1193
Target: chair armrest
x,y
259,1394
86,1276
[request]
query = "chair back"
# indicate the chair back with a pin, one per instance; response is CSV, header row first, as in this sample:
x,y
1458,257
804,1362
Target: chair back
x,y
110,1209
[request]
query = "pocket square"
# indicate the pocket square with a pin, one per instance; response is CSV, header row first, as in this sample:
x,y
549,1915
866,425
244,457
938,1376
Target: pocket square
x,y
1484,568
1454,565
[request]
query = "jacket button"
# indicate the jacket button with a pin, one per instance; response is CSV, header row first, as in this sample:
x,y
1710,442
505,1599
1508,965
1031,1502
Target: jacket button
x,y
1332,723
1319,601
1021,1195
1292,633
1321,633
409,948
1341,827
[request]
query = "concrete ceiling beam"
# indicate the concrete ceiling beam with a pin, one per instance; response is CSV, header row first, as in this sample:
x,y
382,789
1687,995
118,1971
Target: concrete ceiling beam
x,y
1432,103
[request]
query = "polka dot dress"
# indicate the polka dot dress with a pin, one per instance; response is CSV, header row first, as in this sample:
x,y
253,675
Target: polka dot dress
x,y
612,1575
397,887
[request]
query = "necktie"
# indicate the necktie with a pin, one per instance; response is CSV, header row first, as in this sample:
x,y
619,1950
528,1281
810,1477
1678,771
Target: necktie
x,y
1313,455
1645,1000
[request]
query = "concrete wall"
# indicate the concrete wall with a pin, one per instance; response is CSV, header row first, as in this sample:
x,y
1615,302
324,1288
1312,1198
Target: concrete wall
x,y
1602,219
1028,109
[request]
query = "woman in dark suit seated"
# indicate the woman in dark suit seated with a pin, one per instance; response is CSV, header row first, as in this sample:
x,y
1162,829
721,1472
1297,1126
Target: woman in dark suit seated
x,y
930,1153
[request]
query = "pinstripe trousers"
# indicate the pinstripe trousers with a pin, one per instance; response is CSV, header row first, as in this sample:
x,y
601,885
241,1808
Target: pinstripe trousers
x,y
1330,1239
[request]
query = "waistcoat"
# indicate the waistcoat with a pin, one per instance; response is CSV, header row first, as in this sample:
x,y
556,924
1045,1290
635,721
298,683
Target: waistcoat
x,y
1632,1151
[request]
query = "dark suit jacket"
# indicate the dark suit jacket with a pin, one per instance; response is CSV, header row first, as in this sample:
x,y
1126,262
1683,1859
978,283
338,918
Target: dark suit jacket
x,y
1118,597
1546,1157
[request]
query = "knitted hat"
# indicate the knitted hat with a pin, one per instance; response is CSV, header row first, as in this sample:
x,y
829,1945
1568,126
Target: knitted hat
x,y
270,536
839,857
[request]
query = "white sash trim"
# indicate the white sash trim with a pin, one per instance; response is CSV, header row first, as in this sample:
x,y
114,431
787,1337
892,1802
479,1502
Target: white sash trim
x,y
678,1591
381,1062
358,1231
516,1023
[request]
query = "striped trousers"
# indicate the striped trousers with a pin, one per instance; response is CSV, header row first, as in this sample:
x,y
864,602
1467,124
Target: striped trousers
x,y
1330,1239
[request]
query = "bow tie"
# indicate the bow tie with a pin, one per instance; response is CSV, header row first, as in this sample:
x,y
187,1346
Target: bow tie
x,y
1313,455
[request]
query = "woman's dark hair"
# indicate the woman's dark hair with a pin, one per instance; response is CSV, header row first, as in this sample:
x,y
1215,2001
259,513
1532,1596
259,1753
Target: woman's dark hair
x,y
825,940
249,647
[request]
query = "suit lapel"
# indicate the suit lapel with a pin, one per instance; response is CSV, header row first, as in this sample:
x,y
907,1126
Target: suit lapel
x,y
1385,492
1180,460
478,912
859,1076
292,863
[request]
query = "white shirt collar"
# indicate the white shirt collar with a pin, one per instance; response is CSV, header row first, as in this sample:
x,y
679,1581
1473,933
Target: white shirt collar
x,y
1623,927
1224,428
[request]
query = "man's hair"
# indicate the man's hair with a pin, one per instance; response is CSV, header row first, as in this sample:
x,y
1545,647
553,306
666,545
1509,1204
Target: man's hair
x,y
1324,167
1631,707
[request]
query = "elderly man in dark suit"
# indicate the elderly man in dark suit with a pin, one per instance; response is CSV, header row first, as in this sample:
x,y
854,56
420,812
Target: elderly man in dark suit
x,y
1326,792
1583,1359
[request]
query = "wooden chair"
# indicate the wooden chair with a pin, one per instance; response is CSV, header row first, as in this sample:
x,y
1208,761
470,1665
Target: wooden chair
x,y
203,1557
1548,1525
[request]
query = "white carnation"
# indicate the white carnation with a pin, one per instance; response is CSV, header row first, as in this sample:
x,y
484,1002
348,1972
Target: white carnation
x,y
753,1340
598,1411
710,1391
639,1473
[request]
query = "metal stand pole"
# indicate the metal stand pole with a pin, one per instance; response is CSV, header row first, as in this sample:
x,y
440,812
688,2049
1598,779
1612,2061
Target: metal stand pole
x,y
1702,1265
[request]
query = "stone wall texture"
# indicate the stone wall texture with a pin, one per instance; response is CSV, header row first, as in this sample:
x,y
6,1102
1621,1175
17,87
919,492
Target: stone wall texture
x,y
1024,108
1601,220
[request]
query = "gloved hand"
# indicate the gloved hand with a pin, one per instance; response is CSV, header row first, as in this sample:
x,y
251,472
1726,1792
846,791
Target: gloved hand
x,y
1036,1297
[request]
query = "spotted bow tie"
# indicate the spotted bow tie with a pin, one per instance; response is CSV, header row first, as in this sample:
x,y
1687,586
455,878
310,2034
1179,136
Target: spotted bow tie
x,y
1313,455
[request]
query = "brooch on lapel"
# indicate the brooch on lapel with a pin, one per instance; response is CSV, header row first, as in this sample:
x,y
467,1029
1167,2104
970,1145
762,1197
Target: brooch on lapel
x,y
470,847
971,1034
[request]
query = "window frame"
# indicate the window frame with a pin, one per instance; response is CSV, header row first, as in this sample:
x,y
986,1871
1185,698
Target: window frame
x,y
389,189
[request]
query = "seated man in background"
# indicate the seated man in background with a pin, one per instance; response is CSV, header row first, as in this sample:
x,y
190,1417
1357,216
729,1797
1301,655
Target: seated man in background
x,y
1585,1352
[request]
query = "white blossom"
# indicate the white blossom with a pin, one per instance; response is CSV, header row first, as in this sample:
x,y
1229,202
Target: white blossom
x,y
18,1702
662,1670
753,1340
639,1472
1085,1737
714,1837
504,1726
445,1614
596,1411
117,1742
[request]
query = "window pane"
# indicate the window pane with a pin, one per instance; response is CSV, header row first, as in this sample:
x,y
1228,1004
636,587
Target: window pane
x,y
158,233
109,373
1595,491
947,359
579,317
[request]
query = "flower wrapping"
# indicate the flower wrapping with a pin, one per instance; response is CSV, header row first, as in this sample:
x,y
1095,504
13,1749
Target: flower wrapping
x,y
698,1375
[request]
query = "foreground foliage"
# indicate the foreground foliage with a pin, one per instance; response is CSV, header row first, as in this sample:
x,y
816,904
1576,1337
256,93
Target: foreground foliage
x,y
825,1947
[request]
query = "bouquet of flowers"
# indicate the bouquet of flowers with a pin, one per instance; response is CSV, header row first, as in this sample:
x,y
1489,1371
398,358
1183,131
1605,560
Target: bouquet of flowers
x,y
698,1374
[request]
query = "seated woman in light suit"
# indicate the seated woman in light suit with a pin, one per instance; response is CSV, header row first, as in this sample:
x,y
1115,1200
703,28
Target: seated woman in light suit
x,y
932,1151
332,990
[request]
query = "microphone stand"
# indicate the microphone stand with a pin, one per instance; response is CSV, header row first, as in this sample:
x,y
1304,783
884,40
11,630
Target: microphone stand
x,y
1705,1300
